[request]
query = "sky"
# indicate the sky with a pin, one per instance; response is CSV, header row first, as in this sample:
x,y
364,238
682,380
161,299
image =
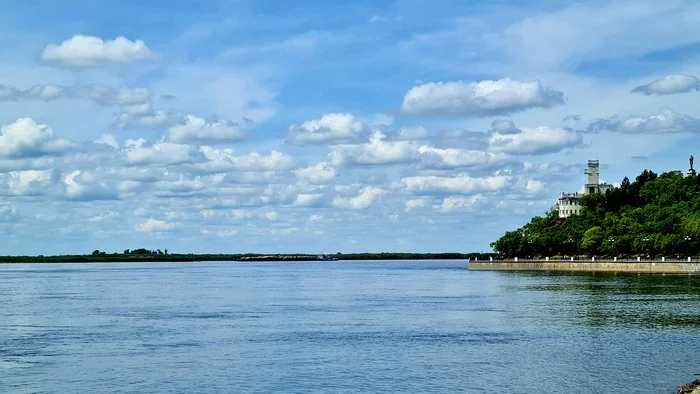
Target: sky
x,y
328,126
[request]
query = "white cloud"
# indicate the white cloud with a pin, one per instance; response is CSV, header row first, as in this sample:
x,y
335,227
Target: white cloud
x,y
462,203
368,196
30,182
109,215
431,157
240,214
307,199
154,226
7,211
198,130
461,184
45,92
537,141
225,160
318,173
534,186
316,217
670,84
84,185
140,152
27,138
109,140
377,151
666,121
485,98
90,51
410,205
331,128
271,216
136,109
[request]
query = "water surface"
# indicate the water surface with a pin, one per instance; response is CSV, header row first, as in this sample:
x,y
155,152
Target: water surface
x,y
407,326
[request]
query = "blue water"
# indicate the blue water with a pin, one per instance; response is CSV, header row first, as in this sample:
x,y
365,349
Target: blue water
x,y
416,326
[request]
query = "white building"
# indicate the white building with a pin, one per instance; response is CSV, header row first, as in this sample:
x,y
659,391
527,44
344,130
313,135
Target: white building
x,y
569,203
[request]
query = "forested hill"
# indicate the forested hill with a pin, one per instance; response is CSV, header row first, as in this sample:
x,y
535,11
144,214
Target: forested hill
x,y
655,214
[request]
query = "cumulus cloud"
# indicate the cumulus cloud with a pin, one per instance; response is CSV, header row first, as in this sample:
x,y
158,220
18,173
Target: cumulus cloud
x,y
225,161
367,196
90,51
462,203
84,185
318,173
30,182
140,152
537,141
105,216
307,199
198,130
670,84
154,226
436,158
27,138
332,128
484,98
377,151
413,204
460,184
109,140
666,121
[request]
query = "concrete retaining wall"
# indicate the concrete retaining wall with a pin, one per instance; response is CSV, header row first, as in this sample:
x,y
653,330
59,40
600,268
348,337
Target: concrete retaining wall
x,y
646,267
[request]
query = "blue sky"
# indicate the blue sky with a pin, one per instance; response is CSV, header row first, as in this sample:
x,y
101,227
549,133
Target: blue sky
x,y
267,126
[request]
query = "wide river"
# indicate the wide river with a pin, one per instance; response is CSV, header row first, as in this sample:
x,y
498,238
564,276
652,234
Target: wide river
x,y
408,326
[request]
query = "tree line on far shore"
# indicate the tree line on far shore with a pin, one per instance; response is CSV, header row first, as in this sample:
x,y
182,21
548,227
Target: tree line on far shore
x,y
655,215
146,255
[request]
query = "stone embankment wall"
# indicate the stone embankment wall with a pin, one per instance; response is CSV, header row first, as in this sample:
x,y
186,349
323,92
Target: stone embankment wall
x,y
645,267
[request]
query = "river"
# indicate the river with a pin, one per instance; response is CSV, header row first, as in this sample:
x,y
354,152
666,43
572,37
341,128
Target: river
x,y
365,326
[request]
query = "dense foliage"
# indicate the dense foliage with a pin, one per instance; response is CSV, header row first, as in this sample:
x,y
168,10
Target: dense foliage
x,y
656,215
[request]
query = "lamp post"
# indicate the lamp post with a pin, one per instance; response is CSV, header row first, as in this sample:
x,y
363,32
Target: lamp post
x,y
612,245
687,240
571,246
646,245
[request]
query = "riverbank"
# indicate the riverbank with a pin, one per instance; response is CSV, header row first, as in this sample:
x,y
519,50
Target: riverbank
x,y
690,388
630,266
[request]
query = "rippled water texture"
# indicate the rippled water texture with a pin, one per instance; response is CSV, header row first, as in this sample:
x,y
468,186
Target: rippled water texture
x,y
342,327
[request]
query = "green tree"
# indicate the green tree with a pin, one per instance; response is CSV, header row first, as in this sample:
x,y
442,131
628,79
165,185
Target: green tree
x,y
592,240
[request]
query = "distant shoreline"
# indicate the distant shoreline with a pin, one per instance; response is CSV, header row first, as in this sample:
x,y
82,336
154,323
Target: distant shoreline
x,y
248,257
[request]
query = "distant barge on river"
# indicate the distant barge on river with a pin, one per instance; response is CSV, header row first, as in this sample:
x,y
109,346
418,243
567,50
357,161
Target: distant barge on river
x,y
284,257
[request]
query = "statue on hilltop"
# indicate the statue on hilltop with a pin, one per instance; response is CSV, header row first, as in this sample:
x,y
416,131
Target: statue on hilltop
x,y
691,161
